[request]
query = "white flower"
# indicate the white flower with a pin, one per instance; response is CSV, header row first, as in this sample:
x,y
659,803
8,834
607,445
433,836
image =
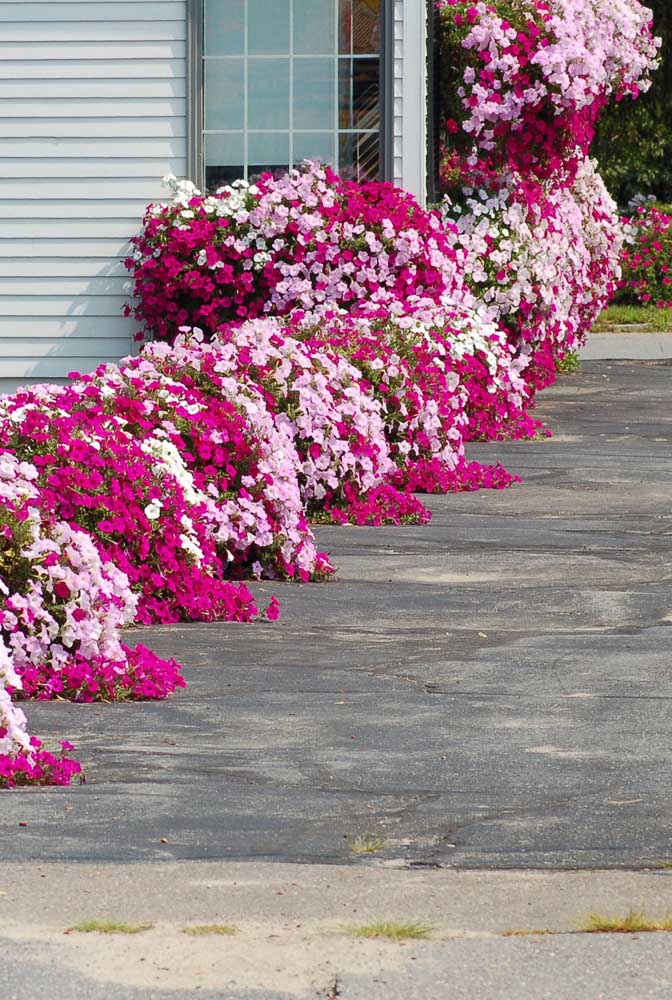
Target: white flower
x,y
153,510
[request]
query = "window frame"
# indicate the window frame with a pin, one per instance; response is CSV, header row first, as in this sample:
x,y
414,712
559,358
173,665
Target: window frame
x,y
196,91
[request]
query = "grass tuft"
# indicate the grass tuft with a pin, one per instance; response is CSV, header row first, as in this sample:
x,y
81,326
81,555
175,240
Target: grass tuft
x,y
107,927
391,931
634,922
531,933
647,319
367,844
203,930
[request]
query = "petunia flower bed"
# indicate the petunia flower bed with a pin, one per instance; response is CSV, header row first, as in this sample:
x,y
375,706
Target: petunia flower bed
x,y
542,258
315,350
143,492
300,241
647,258
523,83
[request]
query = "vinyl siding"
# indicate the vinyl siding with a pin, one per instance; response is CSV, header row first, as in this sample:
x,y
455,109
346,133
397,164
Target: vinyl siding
x,y
409,124
398,93
92,115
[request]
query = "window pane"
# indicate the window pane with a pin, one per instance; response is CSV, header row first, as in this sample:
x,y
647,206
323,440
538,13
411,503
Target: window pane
x,y
268,94
359,26
224,159
366,26
314,93
345,26
359,157
316,146
268,152
216,177
224,101
224,27
268,27
314,26
224,150
359,93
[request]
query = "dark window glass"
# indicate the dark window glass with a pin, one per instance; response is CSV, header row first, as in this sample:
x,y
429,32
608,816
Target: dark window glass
x,y
360,26
359,94
216,177
359,156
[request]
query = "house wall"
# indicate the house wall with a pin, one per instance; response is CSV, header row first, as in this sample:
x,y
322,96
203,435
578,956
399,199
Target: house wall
x,y
93,113
92,116
409,126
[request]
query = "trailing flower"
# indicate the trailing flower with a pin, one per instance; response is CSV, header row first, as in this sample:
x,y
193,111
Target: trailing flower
x,y
528,79
22,759
63,607
318,401
543,259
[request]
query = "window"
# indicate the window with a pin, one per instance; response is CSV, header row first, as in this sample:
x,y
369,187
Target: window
x,y
280,81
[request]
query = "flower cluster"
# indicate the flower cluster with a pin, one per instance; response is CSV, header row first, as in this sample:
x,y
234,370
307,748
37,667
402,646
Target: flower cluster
x,y
647,258
134,495
530,77
300,241
542,258
238,466
22,759
140,492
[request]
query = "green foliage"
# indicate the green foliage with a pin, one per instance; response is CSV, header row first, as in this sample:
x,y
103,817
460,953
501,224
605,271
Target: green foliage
x,y
16,570
367,844
391,930
647,262
644,319
633,922
634,139
568,364
107,927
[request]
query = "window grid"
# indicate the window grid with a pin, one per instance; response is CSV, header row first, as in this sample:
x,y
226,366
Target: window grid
x,y
337,132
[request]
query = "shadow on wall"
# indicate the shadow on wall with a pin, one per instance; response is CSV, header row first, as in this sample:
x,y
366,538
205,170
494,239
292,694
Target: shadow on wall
x,y
62,322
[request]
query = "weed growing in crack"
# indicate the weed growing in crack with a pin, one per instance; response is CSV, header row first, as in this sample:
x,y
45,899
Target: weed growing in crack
x,y
391,931
634,922
204,930
367,844
107,927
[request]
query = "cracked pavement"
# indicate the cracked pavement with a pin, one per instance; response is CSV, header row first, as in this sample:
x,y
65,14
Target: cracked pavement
x,y
488,696
490,690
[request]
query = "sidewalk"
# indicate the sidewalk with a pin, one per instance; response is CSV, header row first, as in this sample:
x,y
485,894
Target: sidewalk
x,y
292,940
626,346
490,691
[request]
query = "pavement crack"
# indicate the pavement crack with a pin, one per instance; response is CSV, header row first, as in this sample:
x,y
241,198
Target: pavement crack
x,y
333,989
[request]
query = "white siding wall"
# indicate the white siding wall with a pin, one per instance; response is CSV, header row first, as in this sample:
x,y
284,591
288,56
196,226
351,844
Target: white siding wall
x,y
398,92
410,96
92,115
